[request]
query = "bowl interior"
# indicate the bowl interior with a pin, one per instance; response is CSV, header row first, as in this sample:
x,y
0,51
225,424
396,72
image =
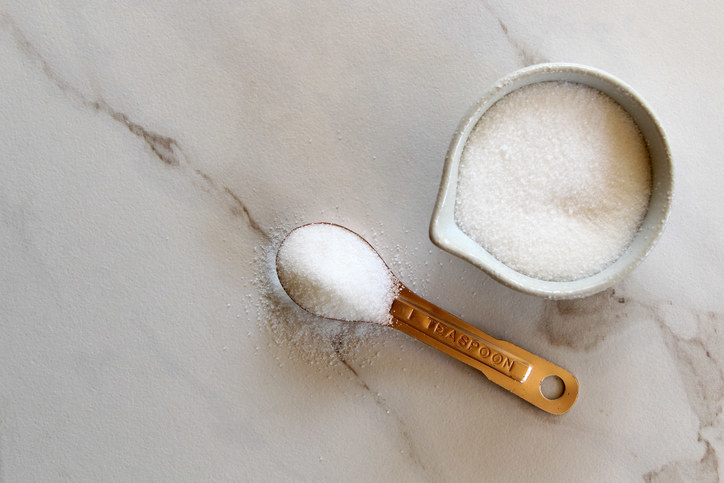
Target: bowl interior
x,y
445,233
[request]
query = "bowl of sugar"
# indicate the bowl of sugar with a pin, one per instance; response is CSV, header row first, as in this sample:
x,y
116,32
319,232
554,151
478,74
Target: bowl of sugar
x,y
557,183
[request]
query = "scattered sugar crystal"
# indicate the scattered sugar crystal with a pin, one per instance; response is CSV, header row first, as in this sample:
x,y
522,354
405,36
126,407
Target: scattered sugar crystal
x,y
332,272
554,181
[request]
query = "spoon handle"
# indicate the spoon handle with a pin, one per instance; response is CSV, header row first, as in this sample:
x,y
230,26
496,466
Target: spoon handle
x,y
507,365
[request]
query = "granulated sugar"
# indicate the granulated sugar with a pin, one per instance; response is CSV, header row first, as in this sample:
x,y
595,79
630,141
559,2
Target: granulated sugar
x,y
332,272
554,181
287,331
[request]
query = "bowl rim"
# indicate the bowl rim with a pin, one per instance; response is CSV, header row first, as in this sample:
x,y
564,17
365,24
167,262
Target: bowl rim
x,y
445,233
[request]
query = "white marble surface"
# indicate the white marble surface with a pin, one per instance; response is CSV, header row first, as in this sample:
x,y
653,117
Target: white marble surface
x,y
152,153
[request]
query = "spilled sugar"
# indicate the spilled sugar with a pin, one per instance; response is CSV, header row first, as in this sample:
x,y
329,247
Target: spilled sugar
x,y
554,181
332,272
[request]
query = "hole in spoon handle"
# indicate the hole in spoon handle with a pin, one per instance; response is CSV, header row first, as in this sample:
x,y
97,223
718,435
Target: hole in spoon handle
x,y
505,364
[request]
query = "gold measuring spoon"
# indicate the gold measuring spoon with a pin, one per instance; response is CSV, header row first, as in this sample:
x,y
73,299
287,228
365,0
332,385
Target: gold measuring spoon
x,y
505,364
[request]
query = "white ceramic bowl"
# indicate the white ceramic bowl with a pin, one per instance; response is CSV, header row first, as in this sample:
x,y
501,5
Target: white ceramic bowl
x,y
445,233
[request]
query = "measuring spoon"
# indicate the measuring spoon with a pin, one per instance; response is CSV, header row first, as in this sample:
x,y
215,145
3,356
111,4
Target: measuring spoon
x,y
505,364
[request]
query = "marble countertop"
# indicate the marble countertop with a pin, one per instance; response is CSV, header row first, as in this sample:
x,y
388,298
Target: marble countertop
x,y
153,153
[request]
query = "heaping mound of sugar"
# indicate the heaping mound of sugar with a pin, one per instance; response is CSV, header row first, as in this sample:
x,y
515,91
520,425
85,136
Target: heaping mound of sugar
x,y
554,181
332,272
